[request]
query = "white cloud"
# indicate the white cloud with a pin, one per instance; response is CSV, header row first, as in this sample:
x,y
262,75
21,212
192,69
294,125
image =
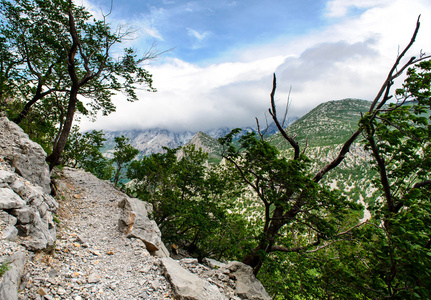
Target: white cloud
x,y
348,59
199,36
340,8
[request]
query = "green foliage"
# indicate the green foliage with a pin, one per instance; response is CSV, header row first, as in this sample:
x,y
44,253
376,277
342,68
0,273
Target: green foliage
x,y
124,153
83,151
399,140
4,267
43,72
191,202
298,214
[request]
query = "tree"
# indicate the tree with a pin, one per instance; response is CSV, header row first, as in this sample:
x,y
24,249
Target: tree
x,y
398,137
292,197
191,202
82,150
124,153
298,214
57,47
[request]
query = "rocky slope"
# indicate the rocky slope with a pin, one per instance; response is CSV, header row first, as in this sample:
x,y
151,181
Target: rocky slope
x,y
153,140
104,245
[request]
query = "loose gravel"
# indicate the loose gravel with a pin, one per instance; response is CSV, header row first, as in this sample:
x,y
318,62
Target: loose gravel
x,y
92,258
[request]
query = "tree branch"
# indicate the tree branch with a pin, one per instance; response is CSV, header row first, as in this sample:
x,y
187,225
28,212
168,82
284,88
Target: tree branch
x,y
273,113
294,249
422,184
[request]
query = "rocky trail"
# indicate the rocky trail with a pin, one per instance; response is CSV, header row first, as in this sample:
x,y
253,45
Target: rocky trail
x,y
92,258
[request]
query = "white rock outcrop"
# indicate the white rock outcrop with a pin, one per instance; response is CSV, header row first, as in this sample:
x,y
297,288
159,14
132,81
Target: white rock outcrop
x,y
25,156
134,222
26,206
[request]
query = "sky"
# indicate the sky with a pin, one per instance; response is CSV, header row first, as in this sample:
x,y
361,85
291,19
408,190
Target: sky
x,y
218,57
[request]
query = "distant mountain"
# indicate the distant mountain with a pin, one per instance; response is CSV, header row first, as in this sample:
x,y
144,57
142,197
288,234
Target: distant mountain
x,y
148,141
329,123
153,140
208,144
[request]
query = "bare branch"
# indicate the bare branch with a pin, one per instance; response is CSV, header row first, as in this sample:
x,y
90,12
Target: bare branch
x,y
258,129
391,76
273,113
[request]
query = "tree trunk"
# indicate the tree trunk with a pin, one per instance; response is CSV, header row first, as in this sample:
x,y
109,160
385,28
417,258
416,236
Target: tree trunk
x,y
257,256
25,110
54,159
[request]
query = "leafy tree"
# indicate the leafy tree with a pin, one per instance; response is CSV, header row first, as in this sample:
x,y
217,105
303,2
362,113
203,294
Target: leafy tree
x,y
55,47
83,151
124,153
191,202
398,138
293,203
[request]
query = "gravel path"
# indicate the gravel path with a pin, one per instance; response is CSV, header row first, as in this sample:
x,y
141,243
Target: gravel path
x,y
93,259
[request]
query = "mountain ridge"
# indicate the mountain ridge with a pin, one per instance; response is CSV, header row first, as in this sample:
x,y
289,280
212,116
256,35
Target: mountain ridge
x,y
329,123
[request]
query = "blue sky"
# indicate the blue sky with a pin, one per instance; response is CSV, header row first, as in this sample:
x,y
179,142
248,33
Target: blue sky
x,y
223,54
205,31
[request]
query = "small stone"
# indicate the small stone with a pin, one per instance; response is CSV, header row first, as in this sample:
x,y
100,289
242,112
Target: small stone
x,y
61,291
110,252
93,278
155,284
95,252
145,269
41,292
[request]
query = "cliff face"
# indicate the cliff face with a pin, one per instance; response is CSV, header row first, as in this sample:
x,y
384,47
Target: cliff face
x,y
26,206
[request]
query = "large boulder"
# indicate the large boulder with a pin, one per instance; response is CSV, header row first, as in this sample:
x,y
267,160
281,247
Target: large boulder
x,y
247,286
27,210
26,156
9,199
134,222
188,286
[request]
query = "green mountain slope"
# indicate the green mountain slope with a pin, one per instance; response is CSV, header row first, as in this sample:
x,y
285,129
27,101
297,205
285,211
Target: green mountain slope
x,y
329,123
208,145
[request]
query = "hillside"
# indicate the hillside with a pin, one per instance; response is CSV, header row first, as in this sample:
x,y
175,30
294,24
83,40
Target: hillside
x,y
324,129
329,123
208,145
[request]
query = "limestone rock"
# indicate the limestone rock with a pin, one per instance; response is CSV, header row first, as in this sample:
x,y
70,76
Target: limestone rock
x,y
26,156
188,286
247,286
12,278
25,214
6,176
30,209
10,233
9,199
134,222
7,218
40,236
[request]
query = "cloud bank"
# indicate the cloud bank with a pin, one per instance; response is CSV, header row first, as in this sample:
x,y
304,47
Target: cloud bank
x,y
349,57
